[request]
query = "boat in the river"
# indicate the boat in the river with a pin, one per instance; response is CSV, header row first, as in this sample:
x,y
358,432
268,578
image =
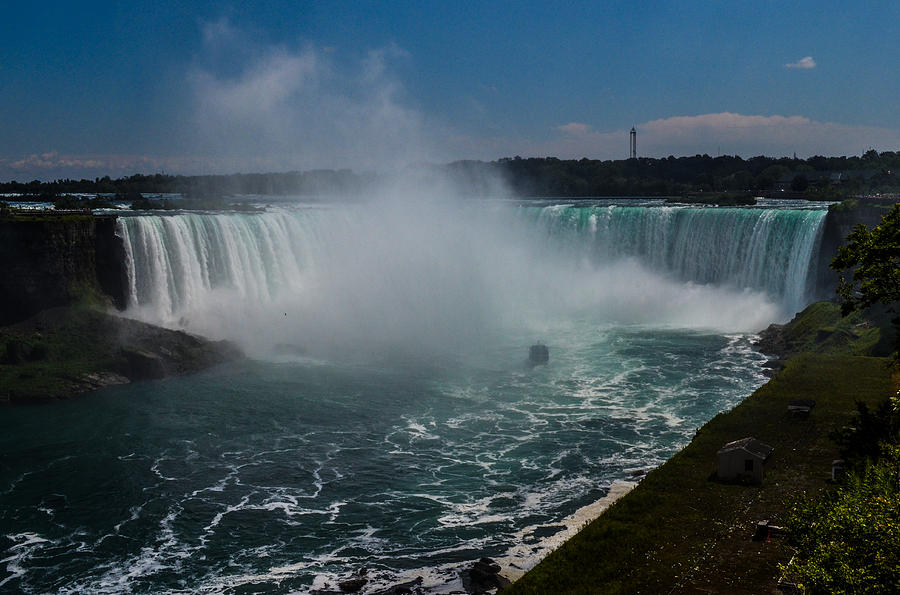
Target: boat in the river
x,y
538,354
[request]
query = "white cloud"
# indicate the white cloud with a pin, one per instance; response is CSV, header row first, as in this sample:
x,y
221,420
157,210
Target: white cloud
x,y
53,165
575,128
260,108
806,63
278,108
725,133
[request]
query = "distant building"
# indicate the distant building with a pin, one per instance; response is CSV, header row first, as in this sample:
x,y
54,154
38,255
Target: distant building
x,y
633,143
743,458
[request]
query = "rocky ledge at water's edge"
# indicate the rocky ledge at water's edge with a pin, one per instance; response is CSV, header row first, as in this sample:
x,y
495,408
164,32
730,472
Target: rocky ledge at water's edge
x,y
821,328
482,577
770,341
62,352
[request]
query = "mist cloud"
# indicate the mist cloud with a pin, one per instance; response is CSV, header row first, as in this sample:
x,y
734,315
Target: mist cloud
x,y
280,108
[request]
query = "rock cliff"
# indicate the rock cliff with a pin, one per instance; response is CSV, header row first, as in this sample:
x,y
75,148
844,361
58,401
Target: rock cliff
x,y
56,259
840,221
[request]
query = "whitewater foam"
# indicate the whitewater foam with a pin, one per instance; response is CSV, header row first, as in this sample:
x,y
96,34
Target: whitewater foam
x,y
436,278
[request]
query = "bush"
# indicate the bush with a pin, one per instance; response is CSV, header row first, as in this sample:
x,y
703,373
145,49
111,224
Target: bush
x,y
867,435
844,206
16,351
849,541
67,201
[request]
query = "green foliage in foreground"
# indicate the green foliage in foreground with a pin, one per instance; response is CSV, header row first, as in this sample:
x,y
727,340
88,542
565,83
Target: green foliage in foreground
x,y
874,256
849,541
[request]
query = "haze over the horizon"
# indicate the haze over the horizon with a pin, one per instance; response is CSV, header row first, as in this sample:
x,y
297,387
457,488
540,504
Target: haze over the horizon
x,y
101,88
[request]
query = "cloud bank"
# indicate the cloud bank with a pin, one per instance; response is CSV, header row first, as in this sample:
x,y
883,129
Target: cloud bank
x,y
259,107
722,133
391,137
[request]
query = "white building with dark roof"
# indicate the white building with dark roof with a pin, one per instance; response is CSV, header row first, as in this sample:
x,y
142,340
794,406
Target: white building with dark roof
x,y
743,458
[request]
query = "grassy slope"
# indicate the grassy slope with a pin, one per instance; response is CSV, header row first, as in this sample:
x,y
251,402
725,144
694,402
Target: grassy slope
x,y
821,329
70,346
681,531
57,351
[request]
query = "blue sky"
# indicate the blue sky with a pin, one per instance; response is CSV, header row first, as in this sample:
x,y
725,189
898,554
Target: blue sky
x,y
110,87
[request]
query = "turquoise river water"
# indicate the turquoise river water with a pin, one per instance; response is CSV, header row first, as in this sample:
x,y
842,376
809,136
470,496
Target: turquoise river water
x,y
385,416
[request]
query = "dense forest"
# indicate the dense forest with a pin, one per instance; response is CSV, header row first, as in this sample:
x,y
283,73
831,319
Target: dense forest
x,y
815,177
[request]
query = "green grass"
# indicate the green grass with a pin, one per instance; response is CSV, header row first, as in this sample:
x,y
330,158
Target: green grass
x,y
60,352
41,360
680,530
820,328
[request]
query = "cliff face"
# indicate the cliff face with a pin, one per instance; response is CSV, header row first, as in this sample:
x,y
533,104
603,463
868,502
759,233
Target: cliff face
x,y
839,222
55,260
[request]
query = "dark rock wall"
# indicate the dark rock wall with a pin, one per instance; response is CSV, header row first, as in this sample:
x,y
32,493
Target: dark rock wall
x,y
56,260
112,274
839,222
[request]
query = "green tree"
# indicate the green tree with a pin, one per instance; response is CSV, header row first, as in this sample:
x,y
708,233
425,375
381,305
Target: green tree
x,y
849,541
873,255
799,183
770,175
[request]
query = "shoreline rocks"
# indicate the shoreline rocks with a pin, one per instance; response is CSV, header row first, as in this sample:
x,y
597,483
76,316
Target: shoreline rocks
x,y
62,352
484,577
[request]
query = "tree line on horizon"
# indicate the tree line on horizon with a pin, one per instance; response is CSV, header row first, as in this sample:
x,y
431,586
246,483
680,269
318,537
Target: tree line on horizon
x,y
530,177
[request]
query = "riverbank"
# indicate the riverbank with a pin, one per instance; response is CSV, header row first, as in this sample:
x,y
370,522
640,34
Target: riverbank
x,y
527,553
680,530
62,352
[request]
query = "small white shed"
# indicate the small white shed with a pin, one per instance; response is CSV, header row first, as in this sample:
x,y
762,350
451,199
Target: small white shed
x,y
743,458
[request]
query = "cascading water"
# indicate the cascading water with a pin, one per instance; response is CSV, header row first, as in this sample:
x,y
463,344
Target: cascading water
x,y
770,250
176,262
428,275
291,470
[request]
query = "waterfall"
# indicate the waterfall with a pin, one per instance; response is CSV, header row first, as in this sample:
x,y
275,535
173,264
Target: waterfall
x,y
420,275
770,250
175,262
